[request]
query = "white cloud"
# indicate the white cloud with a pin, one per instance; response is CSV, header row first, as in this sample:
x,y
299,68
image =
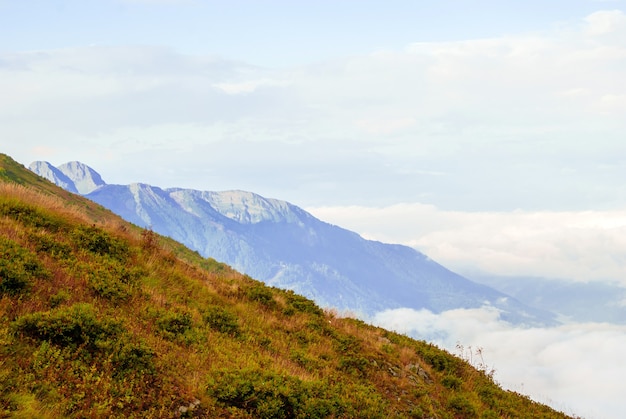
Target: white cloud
x,y
576,368
507,121
157,2
249,86
604,22
581,245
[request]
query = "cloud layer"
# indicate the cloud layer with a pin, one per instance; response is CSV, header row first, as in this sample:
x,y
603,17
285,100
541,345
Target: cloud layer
x,y
532,120
576,245
574,368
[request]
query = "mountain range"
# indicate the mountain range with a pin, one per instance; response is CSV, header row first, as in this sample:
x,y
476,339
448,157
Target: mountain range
x,y
102,318
601,302
286,247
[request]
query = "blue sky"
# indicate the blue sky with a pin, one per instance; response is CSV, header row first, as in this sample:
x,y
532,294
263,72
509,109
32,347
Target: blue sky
x,y
387,118
489,134
490,105
410,122
273,33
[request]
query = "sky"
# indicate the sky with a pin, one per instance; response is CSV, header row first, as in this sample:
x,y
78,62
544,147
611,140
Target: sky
x,y
490,135
486,134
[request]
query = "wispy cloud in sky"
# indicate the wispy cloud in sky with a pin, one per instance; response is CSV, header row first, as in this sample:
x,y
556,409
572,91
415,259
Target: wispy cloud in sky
x,y
461,132
576,245
529,120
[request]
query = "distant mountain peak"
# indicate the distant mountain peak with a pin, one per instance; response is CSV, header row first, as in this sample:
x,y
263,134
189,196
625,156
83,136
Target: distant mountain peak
x,y
85,179
249,208
54,175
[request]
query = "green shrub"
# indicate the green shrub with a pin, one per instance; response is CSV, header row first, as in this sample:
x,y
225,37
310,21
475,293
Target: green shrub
x,y
213,265
133,357
302,304
322,327
222,320
488,395
50,244
305,361
77,325
354,364
452,382
178,326
18,267
348,344
176,323
31,216
96,240
461,406
267,394
489,414
438,358
109,278
261,294
59,298
48,355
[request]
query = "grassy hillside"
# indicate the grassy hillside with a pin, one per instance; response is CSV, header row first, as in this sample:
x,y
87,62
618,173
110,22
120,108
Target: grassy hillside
x,y
102,319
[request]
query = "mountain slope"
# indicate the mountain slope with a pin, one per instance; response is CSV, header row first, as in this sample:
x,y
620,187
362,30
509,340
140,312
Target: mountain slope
x,y
103,319
84,177
56,176
285,246
581,302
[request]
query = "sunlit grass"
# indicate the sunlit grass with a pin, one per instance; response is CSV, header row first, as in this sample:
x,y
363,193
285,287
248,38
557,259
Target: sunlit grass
x,y
100,318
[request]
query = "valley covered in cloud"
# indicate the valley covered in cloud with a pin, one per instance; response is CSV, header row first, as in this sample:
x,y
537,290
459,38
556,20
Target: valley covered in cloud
x,y
576,368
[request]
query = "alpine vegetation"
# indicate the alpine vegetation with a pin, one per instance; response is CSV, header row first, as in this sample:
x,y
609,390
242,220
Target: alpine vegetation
x,y
102,318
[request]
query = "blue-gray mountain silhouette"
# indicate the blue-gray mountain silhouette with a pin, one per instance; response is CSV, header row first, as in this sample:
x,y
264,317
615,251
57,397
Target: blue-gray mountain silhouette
x,y
284,246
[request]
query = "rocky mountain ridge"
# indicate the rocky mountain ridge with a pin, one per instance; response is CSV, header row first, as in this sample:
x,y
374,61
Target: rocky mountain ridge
x,y
284,246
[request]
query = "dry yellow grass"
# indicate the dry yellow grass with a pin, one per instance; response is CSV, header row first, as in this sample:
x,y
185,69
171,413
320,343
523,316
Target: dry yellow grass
x,y
103,319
